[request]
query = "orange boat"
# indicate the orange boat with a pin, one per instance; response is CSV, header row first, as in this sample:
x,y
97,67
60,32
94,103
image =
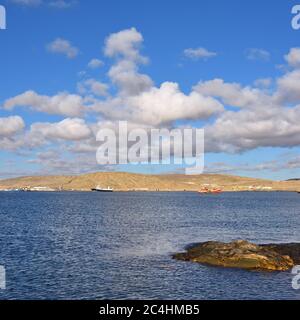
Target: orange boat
x,y
208,191
217,190
204,191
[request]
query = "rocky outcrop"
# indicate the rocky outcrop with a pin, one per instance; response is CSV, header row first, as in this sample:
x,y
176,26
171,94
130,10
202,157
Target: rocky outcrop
x,y
290,249
243,254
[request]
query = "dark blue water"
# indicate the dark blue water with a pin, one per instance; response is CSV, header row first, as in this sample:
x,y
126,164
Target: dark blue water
x,y
118,245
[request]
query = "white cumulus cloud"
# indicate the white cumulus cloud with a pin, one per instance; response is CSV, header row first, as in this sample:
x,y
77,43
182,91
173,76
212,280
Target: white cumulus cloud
x,y
68,129
231,94
63,103
11,125
64,47
93,86
126,44
95,63
293,57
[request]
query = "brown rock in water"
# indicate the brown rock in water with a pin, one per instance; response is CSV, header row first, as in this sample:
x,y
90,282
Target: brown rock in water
x,y
243,254
289,249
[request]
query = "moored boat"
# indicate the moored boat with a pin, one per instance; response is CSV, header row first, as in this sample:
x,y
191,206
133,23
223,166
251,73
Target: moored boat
x,y
99,189
210,191
216,190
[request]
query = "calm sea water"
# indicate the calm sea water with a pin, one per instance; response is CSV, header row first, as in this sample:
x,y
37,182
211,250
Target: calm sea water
x,y
118,245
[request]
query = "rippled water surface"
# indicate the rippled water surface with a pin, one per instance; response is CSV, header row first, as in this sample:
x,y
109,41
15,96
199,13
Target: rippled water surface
x,y
118,245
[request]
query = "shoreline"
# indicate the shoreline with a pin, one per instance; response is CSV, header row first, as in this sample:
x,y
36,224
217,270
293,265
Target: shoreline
x,y
152,191
130,182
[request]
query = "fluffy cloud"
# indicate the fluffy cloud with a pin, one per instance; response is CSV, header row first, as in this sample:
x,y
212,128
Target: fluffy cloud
x,y
40,134
129,81
267,126
93,86
260,117
293,57
138,99
62,46
63,103
10,126
158,106
231,94
95,63
68,129
263,119
125,44
263,82
199,53
288,87
168,104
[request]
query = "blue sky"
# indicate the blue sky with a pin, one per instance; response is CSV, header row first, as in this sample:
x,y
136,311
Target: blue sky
x,y
48,45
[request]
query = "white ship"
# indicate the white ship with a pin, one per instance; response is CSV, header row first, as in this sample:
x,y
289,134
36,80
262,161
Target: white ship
x,y
99,189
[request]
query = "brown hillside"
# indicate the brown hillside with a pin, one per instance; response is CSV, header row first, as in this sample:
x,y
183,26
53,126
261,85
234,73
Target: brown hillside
x,y
128,181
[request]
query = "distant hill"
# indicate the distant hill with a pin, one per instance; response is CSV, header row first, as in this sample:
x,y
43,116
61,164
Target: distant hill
x,y
128,181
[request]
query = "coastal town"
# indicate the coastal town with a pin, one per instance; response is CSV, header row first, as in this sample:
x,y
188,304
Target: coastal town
x,y
204,189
